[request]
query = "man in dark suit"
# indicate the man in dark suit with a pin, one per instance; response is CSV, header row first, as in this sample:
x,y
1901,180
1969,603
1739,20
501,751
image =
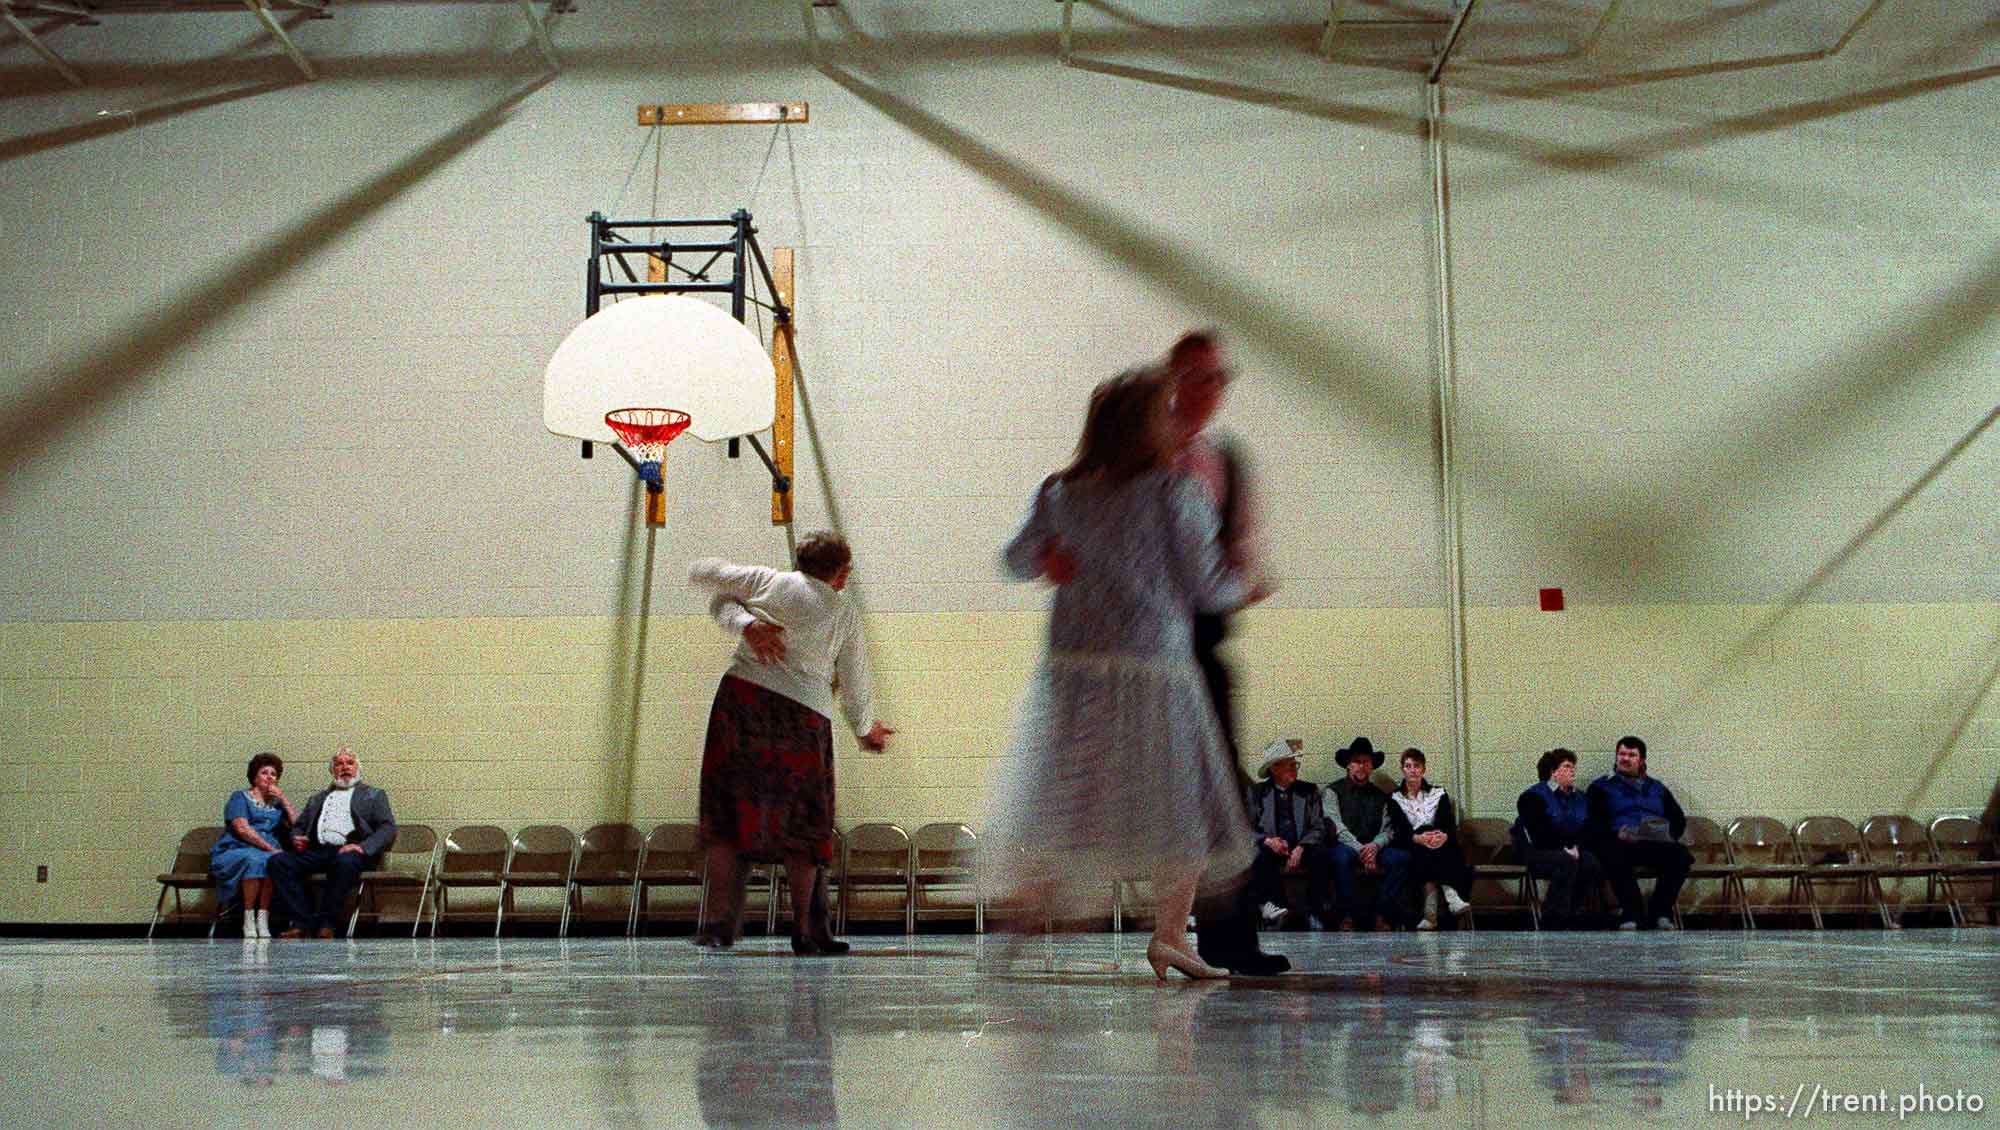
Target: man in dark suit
x,y
343,831
1225,931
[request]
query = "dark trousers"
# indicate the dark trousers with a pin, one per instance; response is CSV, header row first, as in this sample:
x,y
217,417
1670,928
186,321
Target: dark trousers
x,y
1445,865
1225,930
1394,865
1570,881
1267,878
288,871
1669,861
1209,632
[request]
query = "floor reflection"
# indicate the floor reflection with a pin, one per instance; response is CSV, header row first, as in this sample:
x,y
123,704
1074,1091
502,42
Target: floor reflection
x,y
1466,1029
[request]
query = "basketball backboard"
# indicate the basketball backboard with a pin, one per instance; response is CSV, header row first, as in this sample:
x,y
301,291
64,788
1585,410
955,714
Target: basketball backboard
x,y
660,351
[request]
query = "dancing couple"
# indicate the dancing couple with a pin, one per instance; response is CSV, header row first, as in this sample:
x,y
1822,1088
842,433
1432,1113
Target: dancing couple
x,y
1121,765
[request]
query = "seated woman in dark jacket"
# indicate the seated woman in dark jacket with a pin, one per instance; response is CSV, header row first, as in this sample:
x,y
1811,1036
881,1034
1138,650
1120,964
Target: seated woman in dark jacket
x,y
1553,823
1425,826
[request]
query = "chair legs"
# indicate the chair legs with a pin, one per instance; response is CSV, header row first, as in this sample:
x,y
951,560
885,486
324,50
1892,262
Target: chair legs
x,y
158,905
423,896
360,899
776,872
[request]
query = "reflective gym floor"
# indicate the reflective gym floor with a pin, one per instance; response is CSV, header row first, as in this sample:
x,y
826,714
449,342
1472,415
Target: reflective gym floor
x,y
1460,1029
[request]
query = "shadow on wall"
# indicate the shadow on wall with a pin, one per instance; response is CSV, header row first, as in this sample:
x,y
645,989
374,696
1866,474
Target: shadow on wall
x,y
1618,531
1972,691
1798,596
1371,389
54,401
1811,407
631,625
111,122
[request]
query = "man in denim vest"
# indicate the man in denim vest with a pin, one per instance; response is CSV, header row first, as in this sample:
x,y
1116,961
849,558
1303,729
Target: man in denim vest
x,y
1357,817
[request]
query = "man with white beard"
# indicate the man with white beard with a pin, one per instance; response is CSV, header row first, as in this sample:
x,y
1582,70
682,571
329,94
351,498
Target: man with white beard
x,y
342,832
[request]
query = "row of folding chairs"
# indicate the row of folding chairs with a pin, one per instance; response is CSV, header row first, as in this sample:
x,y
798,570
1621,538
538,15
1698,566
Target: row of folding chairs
x,y
1822,865
878,870
1889,866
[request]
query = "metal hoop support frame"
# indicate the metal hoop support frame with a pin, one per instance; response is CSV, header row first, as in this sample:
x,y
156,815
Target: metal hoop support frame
x,y
608,245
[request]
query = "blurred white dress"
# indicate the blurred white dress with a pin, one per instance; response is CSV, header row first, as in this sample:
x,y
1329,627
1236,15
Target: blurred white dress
x,y
1117,762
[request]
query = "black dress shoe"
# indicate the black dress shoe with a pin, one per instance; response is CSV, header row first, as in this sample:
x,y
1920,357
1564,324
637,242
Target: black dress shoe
x,y
805,946
830,946
1252,963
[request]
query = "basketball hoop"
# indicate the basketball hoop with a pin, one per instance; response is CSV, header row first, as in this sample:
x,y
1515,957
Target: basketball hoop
x,y
645,434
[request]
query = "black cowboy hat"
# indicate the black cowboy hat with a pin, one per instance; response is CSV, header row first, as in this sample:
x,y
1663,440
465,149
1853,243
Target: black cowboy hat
x,y
1362,747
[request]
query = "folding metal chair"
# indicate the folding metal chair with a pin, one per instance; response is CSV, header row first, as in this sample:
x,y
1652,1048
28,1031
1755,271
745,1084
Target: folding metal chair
x,y
542,855
189,873
410,862
473,857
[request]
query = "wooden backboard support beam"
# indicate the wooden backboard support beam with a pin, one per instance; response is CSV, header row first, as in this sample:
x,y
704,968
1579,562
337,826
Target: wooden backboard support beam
x,y
782,352
783,343
724,114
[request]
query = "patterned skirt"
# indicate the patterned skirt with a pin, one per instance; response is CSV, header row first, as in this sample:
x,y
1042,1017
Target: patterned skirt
x,y
767,775
1117,767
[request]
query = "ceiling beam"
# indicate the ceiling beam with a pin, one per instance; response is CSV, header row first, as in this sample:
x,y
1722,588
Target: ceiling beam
x,y
1450,41
544,43
44,50
262,10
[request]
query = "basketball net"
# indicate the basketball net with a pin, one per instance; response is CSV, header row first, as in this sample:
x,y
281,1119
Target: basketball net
x,y
645,434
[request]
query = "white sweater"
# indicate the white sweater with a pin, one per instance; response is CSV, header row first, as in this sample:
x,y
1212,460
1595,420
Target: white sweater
x,y
822,635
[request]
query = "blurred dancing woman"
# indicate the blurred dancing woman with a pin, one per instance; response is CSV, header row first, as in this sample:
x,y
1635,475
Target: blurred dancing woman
x,y
767,765
1118,766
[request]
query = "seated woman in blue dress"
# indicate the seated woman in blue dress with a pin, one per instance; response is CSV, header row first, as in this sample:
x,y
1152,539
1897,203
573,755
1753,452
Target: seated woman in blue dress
x,y
254,823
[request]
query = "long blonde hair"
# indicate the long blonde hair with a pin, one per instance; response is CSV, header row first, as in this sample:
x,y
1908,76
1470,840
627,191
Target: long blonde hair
x,y
1124,432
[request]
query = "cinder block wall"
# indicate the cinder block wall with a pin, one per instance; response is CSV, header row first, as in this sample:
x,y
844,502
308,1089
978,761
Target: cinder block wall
x,y
272,472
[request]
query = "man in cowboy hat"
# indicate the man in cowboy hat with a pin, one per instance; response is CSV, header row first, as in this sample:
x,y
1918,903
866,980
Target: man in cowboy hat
x,y
1291,831
1358,818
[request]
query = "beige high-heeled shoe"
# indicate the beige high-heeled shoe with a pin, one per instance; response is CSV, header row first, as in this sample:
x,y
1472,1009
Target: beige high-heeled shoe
x,y
1162,957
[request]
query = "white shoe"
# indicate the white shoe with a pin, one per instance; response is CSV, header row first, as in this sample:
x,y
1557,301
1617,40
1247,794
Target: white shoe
x,y
1273,913
1429,922
1451,899
1628,925
1665,924
250,924
263,923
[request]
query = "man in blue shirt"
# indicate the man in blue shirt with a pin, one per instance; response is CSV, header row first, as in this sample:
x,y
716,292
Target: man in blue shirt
x,y
1550,835
1635,822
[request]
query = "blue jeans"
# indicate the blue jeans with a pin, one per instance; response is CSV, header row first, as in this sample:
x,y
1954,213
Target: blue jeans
x,y
1395,869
